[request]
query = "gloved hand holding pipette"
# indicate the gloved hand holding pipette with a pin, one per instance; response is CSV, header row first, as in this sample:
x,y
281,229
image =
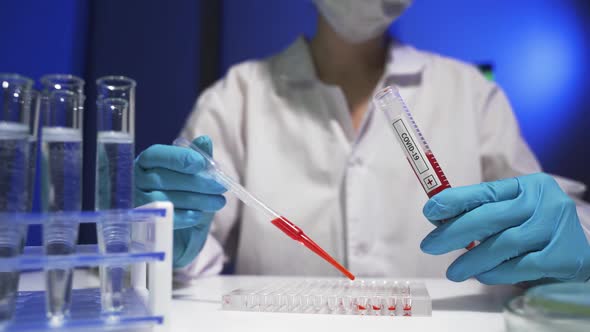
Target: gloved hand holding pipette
x,y
213,169
186,175
528,228
170,173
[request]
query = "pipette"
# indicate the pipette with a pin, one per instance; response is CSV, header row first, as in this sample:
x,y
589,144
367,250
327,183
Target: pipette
x,y
282,223
418,153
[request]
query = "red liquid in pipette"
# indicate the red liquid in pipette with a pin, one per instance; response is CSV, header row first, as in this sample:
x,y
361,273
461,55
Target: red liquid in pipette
x,y
297,234
444,183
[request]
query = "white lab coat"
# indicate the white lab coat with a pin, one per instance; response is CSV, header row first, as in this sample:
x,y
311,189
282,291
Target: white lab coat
x,y
289,139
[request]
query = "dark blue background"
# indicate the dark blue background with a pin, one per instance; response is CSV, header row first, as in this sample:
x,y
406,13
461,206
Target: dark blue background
x,y
539,49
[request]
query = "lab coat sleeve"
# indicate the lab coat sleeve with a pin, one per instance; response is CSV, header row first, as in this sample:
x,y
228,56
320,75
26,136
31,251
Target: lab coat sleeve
x,y
208,262
504,152
218,114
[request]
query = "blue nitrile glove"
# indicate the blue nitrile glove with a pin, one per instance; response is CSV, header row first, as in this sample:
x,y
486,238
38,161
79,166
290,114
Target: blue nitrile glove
x,y
172,173
528,228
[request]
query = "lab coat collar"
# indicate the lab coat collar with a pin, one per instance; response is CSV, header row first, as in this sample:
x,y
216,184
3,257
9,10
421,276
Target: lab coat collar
x,y
295,64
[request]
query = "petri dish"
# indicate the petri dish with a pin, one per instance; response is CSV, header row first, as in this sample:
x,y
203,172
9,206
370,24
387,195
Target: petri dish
x,y
561,306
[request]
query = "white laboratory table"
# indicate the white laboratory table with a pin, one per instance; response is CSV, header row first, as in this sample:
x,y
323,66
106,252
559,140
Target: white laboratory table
x,y
456,307
467,306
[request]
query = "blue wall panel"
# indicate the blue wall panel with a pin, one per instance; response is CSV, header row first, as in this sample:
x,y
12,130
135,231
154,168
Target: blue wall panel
x,y
40,37
539,50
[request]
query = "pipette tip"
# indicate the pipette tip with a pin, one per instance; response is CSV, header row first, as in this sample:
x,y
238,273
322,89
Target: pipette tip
x,y
297,234
282,223
341,268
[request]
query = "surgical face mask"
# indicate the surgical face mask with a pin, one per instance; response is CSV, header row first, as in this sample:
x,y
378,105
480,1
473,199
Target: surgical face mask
x,y
357,21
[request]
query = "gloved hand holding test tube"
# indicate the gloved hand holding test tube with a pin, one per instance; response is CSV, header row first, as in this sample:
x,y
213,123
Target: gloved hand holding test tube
x,y
289,228
414,145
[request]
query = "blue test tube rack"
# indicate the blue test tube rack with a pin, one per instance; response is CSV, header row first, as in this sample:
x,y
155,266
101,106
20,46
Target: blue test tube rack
x,y
146,302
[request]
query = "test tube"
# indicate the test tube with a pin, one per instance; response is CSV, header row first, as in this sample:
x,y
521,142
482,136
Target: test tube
x,y
392,299
67,82
16,112
66,119
414,145
362,304
115,152
348,302
276,301
332,303
114,190
61,190
317,301
406,297
285,302
391,302
119,87
377,304
61,176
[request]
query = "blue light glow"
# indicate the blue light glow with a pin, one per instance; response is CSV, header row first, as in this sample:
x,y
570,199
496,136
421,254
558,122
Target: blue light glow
x,y
537,48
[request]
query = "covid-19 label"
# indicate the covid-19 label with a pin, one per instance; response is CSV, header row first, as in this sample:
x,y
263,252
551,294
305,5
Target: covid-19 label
x,y
423,163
